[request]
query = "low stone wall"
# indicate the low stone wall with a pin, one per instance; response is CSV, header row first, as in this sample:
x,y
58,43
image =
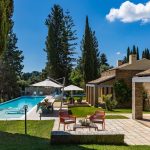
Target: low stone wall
x,y
61,137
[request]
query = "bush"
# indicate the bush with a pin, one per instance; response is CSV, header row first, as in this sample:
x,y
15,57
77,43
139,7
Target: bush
x,y
122,92
109,102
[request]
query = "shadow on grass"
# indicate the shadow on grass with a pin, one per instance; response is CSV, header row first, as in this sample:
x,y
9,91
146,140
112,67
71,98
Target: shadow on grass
x,y
9,141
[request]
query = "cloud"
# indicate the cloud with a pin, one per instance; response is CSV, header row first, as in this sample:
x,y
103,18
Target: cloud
x,y
118,53
130,12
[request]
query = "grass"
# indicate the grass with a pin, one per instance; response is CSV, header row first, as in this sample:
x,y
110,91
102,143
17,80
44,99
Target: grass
x,y
12,138
34,128
116,117
84,111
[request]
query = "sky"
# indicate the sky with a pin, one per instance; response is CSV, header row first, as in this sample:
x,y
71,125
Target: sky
x,y
117,23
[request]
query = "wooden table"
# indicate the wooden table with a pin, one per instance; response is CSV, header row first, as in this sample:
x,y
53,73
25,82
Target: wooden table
x,y
79,126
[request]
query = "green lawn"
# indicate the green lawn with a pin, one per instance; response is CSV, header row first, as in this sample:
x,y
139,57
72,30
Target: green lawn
x,y
12,138
84,111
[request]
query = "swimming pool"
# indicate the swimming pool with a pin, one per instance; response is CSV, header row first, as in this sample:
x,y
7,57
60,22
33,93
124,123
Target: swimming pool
x,y
14,108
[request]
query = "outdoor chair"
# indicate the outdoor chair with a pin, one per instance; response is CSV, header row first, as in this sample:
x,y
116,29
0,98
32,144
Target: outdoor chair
x,y
98,117
46,107
66,119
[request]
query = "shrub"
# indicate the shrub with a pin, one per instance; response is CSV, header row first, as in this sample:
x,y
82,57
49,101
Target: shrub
x,y
122,92
109,102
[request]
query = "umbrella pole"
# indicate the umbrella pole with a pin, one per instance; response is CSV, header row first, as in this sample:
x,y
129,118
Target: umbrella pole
x,y
62,92
71,94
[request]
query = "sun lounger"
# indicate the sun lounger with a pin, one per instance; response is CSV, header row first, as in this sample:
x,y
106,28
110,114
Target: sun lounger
x,y
15,111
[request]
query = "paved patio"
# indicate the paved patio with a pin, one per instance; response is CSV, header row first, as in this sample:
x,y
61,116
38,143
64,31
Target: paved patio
x,y
135,132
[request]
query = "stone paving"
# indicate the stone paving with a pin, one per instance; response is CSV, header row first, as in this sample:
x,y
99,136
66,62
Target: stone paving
x,y
135,132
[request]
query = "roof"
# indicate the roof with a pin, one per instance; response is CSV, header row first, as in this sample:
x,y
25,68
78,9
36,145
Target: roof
x,y
47,83
142,64
144,73
102,79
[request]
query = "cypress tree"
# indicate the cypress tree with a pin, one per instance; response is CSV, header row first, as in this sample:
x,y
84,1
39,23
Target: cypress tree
x,y
128,54
146,53
96,55
6,12
137,52
90,54
143,54
134,50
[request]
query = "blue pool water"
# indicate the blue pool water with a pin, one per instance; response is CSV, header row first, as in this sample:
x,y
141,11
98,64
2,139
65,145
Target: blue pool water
x,y
14,108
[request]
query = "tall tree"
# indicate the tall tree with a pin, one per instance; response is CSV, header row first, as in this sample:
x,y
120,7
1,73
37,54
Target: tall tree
x,y
69,45
103,63
54,23
60,43
6,12
11,69
128,53
134,50
137,52
90,54
146,53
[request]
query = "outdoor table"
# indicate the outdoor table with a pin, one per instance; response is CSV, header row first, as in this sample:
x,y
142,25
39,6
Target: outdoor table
x,y
79,126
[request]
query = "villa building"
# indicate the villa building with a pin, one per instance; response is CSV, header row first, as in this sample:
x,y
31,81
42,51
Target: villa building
x,y
139,83
104,84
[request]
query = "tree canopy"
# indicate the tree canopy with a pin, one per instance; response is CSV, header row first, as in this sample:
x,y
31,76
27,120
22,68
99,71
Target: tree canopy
x,y
6,12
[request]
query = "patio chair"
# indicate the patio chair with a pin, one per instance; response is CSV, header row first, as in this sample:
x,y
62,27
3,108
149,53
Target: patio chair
x,y
65,118
98,117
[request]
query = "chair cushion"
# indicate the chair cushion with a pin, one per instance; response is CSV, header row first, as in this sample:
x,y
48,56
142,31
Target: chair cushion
x,y
67,121
97,120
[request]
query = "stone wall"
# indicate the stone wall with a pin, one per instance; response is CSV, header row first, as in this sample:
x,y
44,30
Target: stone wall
x,y
126,75
61,137
137,100
146,87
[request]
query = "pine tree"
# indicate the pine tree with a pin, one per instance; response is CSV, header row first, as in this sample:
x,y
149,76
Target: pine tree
x,y
103,59
68,42
6,12
54,23
10,69
103,63
90,54
124,60
60,43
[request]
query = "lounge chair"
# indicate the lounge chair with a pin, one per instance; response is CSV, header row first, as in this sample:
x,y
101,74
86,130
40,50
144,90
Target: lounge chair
x,y
15,111
98,117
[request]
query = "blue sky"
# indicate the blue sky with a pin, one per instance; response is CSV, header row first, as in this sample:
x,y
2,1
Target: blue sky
x,y
113,36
